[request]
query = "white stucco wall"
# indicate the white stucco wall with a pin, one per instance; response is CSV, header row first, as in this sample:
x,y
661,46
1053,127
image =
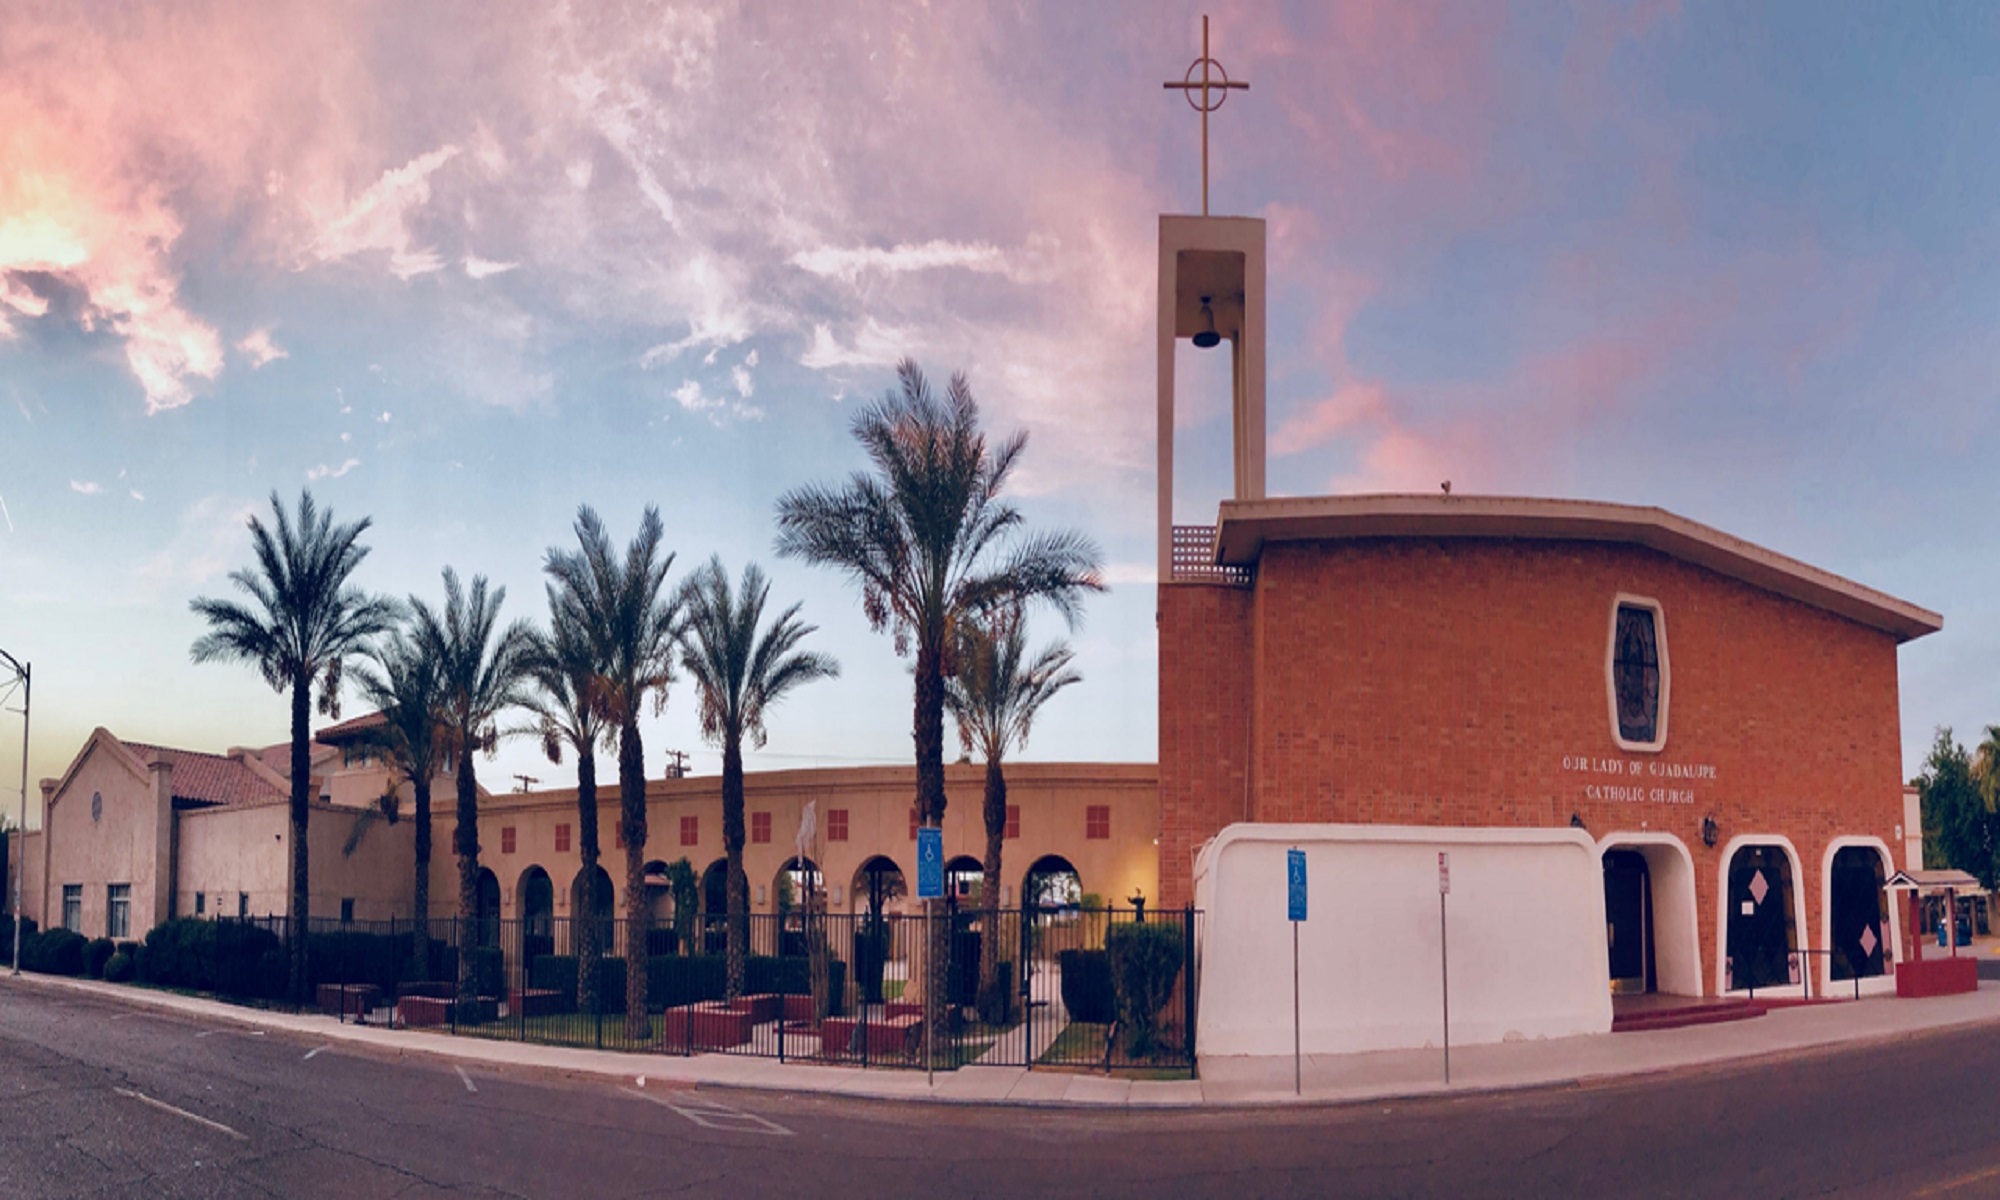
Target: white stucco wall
x,y
1525,921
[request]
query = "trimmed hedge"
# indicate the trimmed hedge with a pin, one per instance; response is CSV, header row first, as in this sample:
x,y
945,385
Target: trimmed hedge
x,y
489,971
674,980
55,952
1145,961
1086,986
118,968
95,955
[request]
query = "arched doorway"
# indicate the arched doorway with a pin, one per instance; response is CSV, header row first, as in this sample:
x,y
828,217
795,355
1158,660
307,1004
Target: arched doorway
x,y
535,901
1858,915
1761,928
963,880
1651,934
582,906
1051,882
878,883
1628,921
715,907
486,928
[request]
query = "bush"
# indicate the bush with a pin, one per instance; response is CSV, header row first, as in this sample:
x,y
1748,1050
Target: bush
x,y
56,952
1086,986
1145,962
181,953
674,980
871,953
557,973
118,968
28,930
662,941
241,968
489,970
95,954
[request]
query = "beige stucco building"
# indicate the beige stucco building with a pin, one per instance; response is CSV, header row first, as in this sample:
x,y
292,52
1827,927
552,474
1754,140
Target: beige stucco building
x,y
133,834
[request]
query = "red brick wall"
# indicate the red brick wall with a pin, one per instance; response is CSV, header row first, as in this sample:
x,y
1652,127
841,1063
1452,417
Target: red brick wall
x,y
1204,723
1412,681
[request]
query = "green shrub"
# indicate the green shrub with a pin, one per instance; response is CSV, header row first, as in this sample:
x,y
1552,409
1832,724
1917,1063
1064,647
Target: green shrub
x,y
28,930
557,972
55,952
118,968
489,970
1086,986
95,954
241,968
1145,962
181,953
674,980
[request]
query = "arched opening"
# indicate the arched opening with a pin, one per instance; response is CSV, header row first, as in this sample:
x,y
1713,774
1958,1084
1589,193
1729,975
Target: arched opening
x,y
486,927
1761,928
1858,917
878,883
963,877
582,906
535,901
659,893
1652,942
715,907
797,889
1051,882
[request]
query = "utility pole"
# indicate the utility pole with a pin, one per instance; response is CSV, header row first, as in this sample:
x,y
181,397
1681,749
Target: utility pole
x,y
23,673
677,764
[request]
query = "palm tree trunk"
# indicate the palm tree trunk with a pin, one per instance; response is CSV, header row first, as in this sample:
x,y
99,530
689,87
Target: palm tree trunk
x,y
420,941
928,733
738,888
992,989
465,841
301,908
632,812
584,922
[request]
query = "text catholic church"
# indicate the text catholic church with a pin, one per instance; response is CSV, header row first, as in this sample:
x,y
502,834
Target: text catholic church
x,y
1661,759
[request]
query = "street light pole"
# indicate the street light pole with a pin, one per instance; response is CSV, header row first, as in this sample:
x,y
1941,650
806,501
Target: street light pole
x,y
23,672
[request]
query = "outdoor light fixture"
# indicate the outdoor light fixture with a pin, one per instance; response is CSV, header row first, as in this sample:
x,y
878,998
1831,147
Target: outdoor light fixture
x,y
1709,831
1206,338
1576,821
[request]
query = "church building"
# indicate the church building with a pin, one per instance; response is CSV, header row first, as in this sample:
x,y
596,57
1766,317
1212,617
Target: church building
x,y
1642,755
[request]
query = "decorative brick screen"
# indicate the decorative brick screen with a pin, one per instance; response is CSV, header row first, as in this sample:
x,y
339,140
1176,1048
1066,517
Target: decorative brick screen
x,y
1194,558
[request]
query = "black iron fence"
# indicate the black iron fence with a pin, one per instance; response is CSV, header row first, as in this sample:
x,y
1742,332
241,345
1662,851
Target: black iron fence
x,y
1105,989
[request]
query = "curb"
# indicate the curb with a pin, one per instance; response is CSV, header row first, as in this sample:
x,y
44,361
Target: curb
x,y
672,1072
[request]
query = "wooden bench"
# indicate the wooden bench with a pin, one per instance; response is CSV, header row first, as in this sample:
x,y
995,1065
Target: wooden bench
x,y
896,1037
709,1025
348,999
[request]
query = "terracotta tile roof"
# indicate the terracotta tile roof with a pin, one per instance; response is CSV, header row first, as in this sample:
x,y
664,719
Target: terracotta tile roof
x,y
209,779
334,734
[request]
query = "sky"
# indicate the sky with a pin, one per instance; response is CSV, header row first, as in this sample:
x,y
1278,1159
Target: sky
x,y
460,268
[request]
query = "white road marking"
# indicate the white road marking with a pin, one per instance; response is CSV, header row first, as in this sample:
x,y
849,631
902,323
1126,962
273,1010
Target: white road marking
x,y
713,1114
463,1076
163,1106
315,1053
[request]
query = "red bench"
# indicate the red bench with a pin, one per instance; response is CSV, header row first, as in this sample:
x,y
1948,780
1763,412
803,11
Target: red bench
x,y
426,1012
710,1025
536,1002
896,1037
348,999
760,1008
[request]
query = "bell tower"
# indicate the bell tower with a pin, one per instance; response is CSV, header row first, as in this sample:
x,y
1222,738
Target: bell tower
x,y
1211,292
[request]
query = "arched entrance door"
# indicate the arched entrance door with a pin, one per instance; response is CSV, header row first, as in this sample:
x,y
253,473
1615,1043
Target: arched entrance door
x,y
487,930
715,907
1628,922
1860,912
535,898
1762,932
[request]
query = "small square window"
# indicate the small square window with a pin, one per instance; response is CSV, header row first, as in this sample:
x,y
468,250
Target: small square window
x,y
1097,822
836,825
506,839
760,827
562,839
690,830
1013,830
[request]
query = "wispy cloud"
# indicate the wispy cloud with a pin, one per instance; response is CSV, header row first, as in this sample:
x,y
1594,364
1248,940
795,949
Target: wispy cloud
x,y
259,350
379,218
85,487
325,472
718,409
482,268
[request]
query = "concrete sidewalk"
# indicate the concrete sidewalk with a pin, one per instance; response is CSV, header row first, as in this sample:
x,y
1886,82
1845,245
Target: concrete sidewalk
x,y
1330,1079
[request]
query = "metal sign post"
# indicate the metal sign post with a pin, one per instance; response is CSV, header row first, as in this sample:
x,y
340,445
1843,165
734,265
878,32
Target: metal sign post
x,y
1295,901
930,886
1444,955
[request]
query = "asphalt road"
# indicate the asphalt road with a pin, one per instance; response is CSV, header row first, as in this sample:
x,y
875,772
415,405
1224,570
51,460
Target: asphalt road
x,y
98,1098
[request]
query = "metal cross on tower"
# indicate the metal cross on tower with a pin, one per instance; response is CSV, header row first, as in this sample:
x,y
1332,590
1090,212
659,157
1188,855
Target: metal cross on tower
x,y
1213,86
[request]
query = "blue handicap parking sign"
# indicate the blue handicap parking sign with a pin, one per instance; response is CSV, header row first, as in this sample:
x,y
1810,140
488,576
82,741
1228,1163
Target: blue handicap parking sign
x,y
930,863
1295,883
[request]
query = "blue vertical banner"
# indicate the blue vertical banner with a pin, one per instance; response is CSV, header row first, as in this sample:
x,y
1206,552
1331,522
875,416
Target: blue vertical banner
x,y
1295,883
930,863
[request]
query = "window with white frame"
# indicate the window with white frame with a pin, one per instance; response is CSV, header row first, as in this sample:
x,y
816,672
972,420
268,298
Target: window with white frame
x,y
73,907
1636,674
118,910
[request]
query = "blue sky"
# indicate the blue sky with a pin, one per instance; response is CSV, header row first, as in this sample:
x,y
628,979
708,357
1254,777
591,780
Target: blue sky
x,y
461,268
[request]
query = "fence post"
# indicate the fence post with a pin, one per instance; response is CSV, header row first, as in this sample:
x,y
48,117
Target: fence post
x,y
1188,983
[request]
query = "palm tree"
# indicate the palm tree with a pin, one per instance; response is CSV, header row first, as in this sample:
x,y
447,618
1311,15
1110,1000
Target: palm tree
x,y
994,697
631,618
481,677
565,670
932,545
741,673
406,685
305,624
